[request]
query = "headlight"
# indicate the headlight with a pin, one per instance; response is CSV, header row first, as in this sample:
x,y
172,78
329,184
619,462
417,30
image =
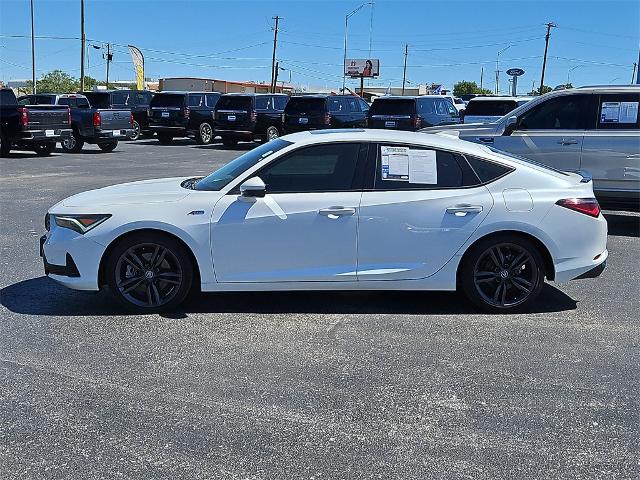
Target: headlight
x,y
79,223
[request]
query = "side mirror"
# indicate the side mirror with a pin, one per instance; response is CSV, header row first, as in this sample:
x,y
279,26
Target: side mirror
x,y
510,127
253,187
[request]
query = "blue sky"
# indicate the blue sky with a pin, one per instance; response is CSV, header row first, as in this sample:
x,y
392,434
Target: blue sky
x,y
448,40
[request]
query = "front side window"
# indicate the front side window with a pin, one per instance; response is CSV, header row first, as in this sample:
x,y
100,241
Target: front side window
x,y
320,168
618,112
196,100
568,112
407,167
221,177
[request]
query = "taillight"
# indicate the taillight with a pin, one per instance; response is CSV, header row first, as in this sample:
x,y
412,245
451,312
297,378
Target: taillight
x,y
254,116
24,116
282,118
69,115
588,206
417,121
186,112
97,119
327,118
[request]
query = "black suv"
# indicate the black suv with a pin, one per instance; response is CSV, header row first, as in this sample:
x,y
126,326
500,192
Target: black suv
x,y
312,112
183,114
412,113
249,116
135,100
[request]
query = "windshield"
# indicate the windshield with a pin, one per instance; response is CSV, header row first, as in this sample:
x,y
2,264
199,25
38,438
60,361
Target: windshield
x,y
221,177
305,105
98,100
167,100
392,107
496,108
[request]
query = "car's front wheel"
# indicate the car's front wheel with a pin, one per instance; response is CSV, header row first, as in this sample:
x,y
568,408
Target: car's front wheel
x,y
72,143
135,131
149,272
205,135
502,273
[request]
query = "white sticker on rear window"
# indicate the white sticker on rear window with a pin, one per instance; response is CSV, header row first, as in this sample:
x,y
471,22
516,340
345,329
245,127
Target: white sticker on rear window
x,y
619,112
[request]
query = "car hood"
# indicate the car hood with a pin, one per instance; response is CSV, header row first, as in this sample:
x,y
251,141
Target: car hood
x,y
465,129
146,191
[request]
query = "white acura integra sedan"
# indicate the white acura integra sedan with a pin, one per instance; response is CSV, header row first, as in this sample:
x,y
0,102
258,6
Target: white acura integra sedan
x,y
339,210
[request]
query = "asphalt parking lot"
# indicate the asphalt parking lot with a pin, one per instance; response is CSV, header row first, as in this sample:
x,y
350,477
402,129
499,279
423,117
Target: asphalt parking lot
x,y
303,385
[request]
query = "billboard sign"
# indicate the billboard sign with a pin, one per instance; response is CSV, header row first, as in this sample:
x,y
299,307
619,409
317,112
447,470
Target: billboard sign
x,y
362,67
515,72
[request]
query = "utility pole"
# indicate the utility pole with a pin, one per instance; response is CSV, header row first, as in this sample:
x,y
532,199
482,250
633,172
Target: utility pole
x,y
633,75
404,72
109,58
550,25
498,68
481,76
638,67
82,40
33,55
273,59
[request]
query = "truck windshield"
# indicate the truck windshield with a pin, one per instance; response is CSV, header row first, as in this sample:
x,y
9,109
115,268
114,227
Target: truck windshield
x,y
221,177
98,99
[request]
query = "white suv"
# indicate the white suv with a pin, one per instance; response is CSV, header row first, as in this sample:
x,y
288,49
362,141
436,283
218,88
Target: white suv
x,y
593,129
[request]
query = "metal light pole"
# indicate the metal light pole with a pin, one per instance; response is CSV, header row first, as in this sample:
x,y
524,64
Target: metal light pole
x,y
571,70
498,68
346,30
82,40
33,54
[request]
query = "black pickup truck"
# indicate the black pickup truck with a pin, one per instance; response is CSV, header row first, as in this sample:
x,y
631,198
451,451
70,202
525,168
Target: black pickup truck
x,y
137,101
102,127
34,127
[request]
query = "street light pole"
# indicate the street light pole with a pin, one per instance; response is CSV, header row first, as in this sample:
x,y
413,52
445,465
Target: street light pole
x,y
346,31
33,54
82,40
498,68
571,70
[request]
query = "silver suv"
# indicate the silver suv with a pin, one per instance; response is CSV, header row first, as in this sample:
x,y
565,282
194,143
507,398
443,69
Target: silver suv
x,y
593,129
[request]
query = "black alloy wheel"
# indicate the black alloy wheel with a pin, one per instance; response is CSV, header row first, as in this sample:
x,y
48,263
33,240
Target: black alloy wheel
x,y
205,134
135,134
72,143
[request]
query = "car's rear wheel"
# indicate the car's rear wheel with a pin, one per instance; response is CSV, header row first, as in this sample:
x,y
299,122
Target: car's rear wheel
x,y
229,142
109,146
44,149
165,138
272,133
502,273
72,143
205,134
149,273
135,134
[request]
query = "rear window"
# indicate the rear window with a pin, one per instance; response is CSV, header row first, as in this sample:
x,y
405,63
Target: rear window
x,y
305,105
98,100
393,107
167,100
234,102
38,100
496,108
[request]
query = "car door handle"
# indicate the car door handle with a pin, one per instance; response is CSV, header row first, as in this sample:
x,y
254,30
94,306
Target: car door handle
x,y
486,139
568,141
335,212
462,210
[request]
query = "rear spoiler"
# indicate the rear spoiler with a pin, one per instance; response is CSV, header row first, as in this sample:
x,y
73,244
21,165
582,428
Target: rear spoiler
x,y
586,176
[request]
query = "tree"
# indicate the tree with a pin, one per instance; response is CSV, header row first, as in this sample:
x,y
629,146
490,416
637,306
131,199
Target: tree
x,y
464,87
55,82
545,89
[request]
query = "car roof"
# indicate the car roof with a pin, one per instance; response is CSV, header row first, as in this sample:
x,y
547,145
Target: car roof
x,y
606,88
410,97
181,92
324,95
240,94
489,99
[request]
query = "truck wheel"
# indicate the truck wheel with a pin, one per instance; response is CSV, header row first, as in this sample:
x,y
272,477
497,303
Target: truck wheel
x,y
72,143
205,134
108,147
229,142
44,149
135,134
165,138
5,147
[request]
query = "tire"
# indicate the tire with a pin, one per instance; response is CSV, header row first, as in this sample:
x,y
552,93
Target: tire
x,y
165,138
229,142
128,267
5,147
44,149
502,274
108,147
205,134
272,133
135,135
72,144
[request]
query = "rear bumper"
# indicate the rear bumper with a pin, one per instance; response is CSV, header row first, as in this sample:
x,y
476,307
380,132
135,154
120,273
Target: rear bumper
x,y
173,130
582,270
594,272
107,134
247,134
44,136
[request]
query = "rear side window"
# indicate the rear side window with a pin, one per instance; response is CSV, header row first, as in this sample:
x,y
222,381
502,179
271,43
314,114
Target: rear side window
x,y
426,106
393,107
568,112
485,170
336,105
364,106
352,104
618,111
281,102
494,108
264,103
167,100
196,100
299,106
212,99
400,167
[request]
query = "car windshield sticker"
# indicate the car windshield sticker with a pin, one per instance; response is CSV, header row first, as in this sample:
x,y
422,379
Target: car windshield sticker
x,y
422,167
619,112
395,163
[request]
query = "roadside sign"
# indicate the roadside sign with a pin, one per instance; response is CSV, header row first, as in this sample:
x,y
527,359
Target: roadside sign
x,y
515,72
362,67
